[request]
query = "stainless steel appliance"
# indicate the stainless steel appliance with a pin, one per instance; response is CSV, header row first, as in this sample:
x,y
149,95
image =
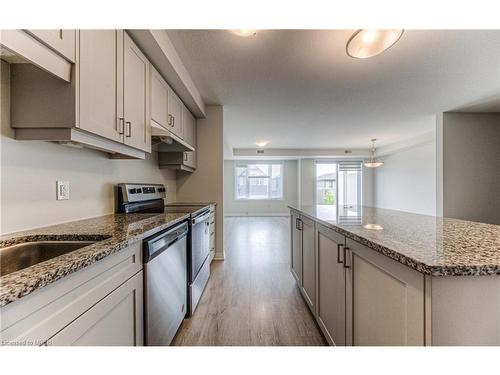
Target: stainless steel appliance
x,y
165,264
198,251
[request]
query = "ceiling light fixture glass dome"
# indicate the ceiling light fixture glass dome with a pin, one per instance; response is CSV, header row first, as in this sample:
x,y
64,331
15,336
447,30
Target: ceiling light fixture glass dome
x,y
373,162
368,43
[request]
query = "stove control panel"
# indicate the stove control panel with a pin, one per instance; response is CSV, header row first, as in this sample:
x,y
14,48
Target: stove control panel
x,y
141,192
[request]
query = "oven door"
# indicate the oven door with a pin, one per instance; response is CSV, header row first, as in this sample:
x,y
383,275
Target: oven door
x,y
200,242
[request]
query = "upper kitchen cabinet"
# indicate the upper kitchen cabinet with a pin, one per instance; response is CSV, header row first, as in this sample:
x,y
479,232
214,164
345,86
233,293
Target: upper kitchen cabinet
x,y
171,123
159,101
100,110
175,109
62,41
54,51
105,106
189,127
136,96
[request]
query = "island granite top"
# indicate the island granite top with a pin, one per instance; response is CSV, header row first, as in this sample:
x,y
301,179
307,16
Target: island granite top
x,y
114,232
432,245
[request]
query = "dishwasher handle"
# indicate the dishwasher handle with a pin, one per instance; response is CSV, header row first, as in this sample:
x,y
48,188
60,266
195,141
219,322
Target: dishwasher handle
x,y
158,243
205,215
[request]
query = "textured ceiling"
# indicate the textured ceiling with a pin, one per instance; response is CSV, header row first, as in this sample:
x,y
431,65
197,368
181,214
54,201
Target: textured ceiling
x,y
299,89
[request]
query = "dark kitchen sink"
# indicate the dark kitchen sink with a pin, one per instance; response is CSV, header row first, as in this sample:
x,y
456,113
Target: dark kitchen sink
x,y
24,255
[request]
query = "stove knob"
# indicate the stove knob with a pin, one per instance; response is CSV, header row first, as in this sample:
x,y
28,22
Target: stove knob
x,y
132,191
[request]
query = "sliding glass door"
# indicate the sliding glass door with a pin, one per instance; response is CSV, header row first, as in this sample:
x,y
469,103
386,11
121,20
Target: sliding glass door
x,y
349,190
326,189
338,189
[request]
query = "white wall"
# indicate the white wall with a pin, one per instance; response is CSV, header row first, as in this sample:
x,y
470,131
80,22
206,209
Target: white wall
x,y
407,180
471,166
260,207
29,170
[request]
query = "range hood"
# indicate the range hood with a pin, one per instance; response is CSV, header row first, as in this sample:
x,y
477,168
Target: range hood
x,y
164,141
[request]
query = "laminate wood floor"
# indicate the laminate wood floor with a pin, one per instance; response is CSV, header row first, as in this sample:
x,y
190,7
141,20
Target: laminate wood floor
x,y
251,297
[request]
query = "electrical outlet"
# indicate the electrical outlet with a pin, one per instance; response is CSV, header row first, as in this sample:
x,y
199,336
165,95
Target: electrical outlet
x,y
62,190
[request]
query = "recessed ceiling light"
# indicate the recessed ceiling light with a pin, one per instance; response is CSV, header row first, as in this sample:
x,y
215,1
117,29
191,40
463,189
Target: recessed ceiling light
x,y
261,143
244,32
369,43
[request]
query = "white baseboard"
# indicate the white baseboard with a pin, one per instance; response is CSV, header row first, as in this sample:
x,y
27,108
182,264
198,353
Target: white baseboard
x,y
272,214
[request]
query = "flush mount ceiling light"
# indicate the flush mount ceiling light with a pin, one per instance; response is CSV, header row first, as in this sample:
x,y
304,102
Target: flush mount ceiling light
x,y
261,143
368,43
373,162
244,32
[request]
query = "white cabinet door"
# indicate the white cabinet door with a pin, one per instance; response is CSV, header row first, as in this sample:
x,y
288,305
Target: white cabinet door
x,y
136,96
331,285
189,127
98,81
189,159
309,261
384,299
60,40
159,99
175,113
116,320
295,256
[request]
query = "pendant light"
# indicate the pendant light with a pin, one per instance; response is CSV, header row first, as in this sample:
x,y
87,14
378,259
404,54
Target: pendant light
x,y
368,43
373,162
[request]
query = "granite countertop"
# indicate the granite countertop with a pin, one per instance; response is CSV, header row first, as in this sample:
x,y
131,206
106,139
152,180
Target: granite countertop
x,y
114,232
432,245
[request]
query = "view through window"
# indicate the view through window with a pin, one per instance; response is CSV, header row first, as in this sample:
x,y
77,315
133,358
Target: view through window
x,y
338,189
259,181
326,189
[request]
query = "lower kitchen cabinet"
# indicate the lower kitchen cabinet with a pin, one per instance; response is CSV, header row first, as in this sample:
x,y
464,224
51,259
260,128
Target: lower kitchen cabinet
x,y
331,306
116,320
357,295
100,304
385,300
308,261
296,253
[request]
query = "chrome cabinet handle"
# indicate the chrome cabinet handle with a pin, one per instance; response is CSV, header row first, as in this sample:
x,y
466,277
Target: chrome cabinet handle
x,y
121,126
185,156
297,223
339,245
129,129
345,258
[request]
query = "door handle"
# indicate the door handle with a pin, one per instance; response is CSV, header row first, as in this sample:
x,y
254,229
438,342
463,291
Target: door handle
x,y
129,129
339,245
345,258
297,223
121,127
185,156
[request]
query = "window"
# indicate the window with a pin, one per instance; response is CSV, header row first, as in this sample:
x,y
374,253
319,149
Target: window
x,y
259,180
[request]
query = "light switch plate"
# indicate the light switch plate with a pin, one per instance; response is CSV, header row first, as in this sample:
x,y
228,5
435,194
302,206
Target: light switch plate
x,y
62,190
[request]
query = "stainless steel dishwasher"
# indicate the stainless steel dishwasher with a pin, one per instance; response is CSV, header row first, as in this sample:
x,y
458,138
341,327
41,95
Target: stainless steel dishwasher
x,y
165,287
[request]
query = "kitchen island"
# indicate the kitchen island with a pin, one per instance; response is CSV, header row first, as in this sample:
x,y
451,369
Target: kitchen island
x,y
394,278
